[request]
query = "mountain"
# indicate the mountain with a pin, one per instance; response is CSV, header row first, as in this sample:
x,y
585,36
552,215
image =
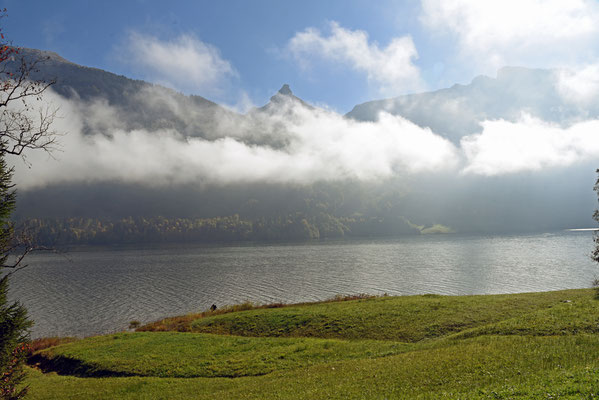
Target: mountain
x,y
142,105
283,98
542,200
139,104
451,112
457,111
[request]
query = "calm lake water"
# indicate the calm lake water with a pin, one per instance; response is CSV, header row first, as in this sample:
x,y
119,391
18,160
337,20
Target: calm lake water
x,y
99,290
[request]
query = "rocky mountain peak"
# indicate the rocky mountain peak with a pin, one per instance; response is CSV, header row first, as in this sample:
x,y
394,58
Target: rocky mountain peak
x,y
285,90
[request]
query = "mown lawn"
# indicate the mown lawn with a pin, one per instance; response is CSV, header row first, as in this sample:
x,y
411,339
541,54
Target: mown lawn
x,y
526,346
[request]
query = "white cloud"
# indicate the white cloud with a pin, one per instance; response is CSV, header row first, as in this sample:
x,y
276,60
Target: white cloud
x,y
185,63
522,32
314,145
391,69
528,145
322,145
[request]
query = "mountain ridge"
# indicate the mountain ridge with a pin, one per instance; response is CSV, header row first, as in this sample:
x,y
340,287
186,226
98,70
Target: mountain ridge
x,y
451,112
458,110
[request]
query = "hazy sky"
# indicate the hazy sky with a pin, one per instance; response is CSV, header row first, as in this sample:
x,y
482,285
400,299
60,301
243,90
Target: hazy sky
x,y
333,53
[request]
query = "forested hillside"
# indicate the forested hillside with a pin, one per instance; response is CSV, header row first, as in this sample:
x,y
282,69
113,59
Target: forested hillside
x,y
292,227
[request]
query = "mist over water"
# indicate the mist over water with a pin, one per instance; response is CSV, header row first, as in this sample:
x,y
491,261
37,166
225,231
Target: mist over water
x,y
102,289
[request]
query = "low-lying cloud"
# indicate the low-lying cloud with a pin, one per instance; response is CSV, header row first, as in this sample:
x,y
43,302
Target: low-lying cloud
x,y
319,145
293,143
529,144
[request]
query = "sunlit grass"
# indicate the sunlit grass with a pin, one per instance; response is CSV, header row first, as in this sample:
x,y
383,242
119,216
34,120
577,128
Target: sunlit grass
x,y
405,319
525,346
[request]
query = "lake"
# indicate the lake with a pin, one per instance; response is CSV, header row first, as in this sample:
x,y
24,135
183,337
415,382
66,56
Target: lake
x,y
99,290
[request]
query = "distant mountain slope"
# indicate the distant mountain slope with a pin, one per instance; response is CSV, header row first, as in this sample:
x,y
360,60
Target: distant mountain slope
x,y
87,82
452,112
139,104
457,111
142,105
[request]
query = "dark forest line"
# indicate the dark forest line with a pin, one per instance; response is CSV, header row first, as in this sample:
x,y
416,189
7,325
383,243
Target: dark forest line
x,y
291,227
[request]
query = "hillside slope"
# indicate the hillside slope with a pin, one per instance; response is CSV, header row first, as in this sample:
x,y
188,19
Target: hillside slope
x,y
537,345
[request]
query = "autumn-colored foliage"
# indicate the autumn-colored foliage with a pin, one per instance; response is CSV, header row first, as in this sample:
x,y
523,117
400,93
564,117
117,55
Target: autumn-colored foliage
x,y
13,373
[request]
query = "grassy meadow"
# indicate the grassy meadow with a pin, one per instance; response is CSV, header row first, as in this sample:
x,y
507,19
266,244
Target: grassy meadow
x,y
519,346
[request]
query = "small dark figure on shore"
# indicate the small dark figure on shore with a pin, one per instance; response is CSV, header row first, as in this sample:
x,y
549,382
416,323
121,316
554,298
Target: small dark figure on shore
x,y
213,307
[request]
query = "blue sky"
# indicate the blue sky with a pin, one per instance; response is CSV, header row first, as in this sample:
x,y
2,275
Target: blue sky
x,y
334,53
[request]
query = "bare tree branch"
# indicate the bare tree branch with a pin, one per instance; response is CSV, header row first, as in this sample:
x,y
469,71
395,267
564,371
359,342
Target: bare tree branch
x,y
25,124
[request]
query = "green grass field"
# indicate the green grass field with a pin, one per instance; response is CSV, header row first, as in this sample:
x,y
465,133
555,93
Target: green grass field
x,y
525,346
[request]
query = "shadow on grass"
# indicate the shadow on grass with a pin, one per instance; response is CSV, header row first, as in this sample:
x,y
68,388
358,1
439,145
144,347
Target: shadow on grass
x,y
69,366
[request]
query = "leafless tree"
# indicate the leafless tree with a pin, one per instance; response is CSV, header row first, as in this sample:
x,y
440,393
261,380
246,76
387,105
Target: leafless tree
x,y
24,123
